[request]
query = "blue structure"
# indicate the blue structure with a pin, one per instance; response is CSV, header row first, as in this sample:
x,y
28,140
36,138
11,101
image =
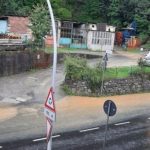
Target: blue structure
x,y
134,26
3,26
65,41
126,35
128,32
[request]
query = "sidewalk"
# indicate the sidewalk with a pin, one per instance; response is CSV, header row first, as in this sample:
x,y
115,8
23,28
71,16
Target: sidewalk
x,y
84,112
73,113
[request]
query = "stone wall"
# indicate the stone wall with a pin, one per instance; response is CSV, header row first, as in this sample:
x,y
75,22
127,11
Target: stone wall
x,y
129,85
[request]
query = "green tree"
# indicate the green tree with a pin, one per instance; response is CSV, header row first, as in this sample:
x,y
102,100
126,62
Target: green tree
x,y
60,10
8,7
40,24
123,12
142,17
18,7
71,5
104,9
64,13
117,12
90,11
113,13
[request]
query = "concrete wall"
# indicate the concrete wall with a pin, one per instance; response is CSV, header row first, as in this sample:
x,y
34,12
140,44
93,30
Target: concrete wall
x,y
14,62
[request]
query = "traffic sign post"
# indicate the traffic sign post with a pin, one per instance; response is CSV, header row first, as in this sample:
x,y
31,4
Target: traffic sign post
x,y
49,129
50,105
103,67
49,110
110,110
50,113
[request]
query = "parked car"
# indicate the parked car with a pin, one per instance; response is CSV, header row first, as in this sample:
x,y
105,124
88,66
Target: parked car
x,y
146,59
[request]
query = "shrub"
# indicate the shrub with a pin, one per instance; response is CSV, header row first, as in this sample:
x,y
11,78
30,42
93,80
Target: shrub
x,y
93,76
75,68
67,90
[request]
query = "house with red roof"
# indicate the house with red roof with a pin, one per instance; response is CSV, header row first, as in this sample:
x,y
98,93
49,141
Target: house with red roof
x,y
14,29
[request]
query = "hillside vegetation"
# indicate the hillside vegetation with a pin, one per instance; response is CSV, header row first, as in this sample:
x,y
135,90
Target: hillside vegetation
x,y
116,12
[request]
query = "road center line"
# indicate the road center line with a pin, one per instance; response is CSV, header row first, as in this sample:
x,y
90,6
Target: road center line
x,y
33,78
122,123
42,139
55,136
91,129
1,147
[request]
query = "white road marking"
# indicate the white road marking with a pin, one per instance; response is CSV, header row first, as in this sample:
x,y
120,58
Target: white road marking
x,y
1,147
55,136
122,123
42,139
91,129
148,118
33,78
20,99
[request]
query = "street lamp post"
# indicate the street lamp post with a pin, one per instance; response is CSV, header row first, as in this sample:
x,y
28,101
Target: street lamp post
x,y
55,43
49,146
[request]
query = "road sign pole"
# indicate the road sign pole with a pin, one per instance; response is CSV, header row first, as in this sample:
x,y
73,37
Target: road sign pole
x,y
55,43
110,110
102,83
49,146
103,70
106,127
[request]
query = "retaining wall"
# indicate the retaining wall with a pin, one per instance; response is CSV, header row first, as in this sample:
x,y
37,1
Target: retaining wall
x,y
134,84
14,62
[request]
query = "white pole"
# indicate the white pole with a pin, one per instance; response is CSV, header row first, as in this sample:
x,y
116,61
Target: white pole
x,y
55,44
49,146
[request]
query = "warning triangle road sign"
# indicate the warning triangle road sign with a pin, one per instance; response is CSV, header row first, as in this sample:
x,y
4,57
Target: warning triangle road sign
x,y
50,104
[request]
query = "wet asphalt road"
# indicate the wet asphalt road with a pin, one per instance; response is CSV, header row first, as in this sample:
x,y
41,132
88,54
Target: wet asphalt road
x,y
29,89
131,134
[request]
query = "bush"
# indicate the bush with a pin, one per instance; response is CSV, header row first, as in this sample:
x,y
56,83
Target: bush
x,y
75,68
67,90
144,37
93,76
